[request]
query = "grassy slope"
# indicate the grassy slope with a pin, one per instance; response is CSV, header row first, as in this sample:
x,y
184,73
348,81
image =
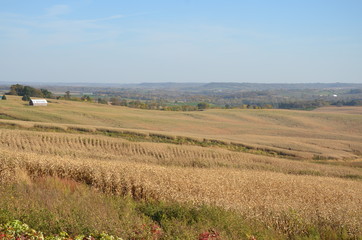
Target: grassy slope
x,y
308,134
65,205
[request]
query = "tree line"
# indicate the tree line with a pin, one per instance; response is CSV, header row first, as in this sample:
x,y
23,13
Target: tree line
x,y
185,101
27,92
153,105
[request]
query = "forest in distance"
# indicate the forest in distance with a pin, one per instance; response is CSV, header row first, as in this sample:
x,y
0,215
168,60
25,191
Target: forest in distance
x,y
198,96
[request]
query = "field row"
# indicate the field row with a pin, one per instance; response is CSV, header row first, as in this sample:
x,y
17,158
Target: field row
x,y
116,149
282,148
143,136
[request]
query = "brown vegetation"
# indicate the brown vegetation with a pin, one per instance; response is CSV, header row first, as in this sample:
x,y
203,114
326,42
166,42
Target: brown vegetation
x,y
290,203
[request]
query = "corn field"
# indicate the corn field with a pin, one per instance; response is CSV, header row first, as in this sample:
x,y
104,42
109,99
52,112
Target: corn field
x,y
116,149
276,186
286,202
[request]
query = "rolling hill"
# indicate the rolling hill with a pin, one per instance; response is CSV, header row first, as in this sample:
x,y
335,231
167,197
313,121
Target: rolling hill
x,y
290,171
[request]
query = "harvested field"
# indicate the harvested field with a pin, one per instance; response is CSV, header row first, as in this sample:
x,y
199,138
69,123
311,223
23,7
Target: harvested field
x,y
291,171
334,135
116,149
286,202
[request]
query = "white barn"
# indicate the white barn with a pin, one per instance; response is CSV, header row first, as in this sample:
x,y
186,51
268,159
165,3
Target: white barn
x,y
38,102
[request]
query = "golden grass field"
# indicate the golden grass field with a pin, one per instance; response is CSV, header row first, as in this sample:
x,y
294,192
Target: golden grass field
x,y
303,168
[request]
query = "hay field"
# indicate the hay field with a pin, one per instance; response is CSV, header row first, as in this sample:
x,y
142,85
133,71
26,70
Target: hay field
x,y
290,193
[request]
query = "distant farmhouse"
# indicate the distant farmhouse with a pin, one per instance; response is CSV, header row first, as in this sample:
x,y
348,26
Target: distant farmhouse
x,y
38,102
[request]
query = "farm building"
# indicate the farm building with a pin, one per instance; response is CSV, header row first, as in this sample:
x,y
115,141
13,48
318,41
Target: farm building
x,y
38,102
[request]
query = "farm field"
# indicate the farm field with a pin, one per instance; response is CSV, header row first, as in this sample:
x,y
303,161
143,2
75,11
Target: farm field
x,y
297,174
307,134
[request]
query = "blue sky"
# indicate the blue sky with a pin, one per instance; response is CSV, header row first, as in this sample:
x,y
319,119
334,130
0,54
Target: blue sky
x,y
181,41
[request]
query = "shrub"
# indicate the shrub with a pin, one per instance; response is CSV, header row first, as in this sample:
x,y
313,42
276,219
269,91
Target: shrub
x,y
17,230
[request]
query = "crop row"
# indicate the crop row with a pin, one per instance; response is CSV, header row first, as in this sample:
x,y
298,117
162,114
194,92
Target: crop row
x,y
83,146
133,135
286,202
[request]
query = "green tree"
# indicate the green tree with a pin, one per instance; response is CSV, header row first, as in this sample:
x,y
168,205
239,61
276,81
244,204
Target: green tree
x,y
16,89
67,95
115,101
124,102
202,106
85,98
21,90
25,98
31,92
46,93
4,97
268,106
102,101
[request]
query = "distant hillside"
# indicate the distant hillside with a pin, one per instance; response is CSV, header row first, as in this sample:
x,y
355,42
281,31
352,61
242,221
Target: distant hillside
x,y
271,86
192,87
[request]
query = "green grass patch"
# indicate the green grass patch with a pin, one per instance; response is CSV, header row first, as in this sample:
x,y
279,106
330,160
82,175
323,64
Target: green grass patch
x,y
321,157
80,129
49,128
10,125
7,116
